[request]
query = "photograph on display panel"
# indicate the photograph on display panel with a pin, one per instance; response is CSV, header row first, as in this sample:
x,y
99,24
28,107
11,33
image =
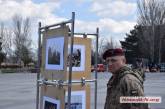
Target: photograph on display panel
x,y
50,103
55,53
78,100
78,58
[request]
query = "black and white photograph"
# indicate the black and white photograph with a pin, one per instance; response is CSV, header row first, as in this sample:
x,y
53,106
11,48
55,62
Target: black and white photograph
x,y
50,103
78,100
78,57
55,53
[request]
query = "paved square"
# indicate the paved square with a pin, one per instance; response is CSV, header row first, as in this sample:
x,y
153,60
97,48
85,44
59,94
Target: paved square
x,y
18,90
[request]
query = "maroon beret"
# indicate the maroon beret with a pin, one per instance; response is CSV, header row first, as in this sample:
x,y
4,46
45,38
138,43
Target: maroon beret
x,y
113,52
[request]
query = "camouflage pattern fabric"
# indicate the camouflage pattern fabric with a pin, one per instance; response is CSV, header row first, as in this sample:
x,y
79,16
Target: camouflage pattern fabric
x,y
126,82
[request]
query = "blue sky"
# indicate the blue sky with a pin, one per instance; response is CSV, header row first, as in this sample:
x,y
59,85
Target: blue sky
x,y
114,18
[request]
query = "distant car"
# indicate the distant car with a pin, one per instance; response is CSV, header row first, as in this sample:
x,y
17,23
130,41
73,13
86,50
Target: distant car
x,y
146,70
153,67
100,68
162,67
92,68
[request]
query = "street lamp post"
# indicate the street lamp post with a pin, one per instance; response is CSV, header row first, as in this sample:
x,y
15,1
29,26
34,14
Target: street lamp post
x,y
153,41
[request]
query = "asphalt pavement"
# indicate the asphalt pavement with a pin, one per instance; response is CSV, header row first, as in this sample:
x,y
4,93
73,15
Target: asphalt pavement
x,y
18,90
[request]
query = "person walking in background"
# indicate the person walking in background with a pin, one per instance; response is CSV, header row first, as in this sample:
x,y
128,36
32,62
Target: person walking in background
x,y
138,68
123,83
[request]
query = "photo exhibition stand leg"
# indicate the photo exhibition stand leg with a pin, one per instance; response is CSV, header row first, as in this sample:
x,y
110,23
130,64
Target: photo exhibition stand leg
x,y
96,57
38,65
70,62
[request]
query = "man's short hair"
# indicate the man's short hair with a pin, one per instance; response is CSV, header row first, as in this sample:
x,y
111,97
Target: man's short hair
x,y
113,52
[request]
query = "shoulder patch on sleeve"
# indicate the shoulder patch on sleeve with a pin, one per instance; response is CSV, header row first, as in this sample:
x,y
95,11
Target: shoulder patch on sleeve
x,y
134,92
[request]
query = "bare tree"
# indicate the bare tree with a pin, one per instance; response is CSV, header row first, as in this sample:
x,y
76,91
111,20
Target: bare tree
x,y
93,50
109,44
151,14
22,39
103,44
6,36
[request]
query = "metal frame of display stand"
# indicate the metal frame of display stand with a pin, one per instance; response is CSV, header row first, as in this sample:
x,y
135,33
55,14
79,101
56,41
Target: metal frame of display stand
x,y
60,83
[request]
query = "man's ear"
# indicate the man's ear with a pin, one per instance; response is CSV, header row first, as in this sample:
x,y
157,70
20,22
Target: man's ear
x,y
124,60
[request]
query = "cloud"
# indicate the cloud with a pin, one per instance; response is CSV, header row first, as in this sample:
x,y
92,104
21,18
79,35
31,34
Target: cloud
x,y
45,12
27,8
117,26
109,8
107,27
106,24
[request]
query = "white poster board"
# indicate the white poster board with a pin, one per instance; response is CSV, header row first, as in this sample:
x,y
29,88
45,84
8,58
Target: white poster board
x,y
50,103
78,58
78,99
54,53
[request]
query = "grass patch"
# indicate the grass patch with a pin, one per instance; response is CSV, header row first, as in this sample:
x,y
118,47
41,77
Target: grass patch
x,y
9,70
18,70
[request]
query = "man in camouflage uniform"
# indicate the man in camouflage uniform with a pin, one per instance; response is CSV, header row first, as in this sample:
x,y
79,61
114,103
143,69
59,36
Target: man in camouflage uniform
x,y
124,82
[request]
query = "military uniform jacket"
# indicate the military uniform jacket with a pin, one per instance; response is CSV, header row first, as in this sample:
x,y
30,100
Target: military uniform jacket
x,y
125,83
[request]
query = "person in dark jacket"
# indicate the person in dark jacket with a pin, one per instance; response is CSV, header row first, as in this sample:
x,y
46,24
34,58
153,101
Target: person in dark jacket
x,y
138,67
123,83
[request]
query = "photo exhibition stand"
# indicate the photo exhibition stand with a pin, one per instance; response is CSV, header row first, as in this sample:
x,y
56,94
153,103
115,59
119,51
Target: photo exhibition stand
x,y
56,77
